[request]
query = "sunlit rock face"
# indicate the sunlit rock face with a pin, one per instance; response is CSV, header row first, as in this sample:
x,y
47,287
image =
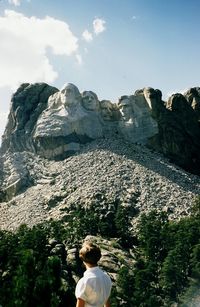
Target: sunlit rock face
x,y
136,123
70,120
56,124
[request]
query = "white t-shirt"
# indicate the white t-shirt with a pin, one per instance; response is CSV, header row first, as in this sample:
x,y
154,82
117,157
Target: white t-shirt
x,y
94,287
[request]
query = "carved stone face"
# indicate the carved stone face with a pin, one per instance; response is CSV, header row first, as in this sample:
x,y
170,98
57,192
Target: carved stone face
x,y
69,95
106,110
125,108
90,101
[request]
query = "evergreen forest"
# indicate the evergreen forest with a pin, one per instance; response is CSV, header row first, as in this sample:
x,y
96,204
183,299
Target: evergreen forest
x,y
166,268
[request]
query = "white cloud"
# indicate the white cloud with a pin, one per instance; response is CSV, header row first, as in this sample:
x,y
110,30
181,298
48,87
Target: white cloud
x,y
98,25
23,47
3,115
3,121
15,2
79,59
87,36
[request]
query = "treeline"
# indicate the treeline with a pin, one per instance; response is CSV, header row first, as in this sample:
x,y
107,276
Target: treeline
x,y
166,270
29,274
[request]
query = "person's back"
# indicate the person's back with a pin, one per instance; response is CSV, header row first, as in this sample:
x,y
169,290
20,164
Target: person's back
x,y
93,289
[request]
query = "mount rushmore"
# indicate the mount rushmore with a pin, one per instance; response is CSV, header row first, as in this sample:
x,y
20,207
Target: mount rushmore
x,y
67,148
55,124
96,167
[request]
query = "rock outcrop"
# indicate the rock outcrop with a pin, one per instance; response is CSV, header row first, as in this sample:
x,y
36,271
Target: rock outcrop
x,y
72,119
193,98
136,124
26,106
179,131
55,124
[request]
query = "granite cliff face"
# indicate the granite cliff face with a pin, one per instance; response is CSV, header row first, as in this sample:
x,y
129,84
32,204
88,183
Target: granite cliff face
x,y
55,124
26,105
66,147
179,132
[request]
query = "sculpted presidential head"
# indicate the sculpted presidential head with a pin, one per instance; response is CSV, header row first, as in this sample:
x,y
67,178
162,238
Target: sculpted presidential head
x,y
106,108
125,107
70,95
90,101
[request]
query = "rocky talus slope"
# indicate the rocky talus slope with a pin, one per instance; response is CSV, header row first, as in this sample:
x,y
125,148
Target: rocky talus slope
x,y
104,172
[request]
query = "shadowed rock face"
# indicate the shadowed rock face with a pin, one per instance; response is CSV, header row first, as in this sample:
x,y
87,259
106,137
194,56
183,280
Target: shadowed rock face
x,y
193,98
26,106
55,124
179,133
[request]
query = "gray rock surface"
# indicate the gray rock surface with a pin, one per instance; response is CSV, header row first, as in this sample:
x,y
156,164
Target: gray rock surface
x,y
15,175
55,124
69,121
136,124
179,132
193,98
104,171
26,105
58,127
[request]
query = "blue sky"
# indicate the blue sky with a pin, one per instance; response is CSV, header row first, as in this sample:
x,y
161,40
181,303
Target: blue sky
x,y
112,47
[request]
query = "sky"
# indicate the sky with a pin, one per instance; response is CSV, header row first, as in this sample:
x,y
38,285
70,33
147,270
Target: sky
x,y
112,47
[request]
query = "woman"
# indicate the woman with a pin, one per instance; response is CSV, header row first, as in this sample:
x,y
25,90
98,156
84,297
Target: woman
x,y
93,289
